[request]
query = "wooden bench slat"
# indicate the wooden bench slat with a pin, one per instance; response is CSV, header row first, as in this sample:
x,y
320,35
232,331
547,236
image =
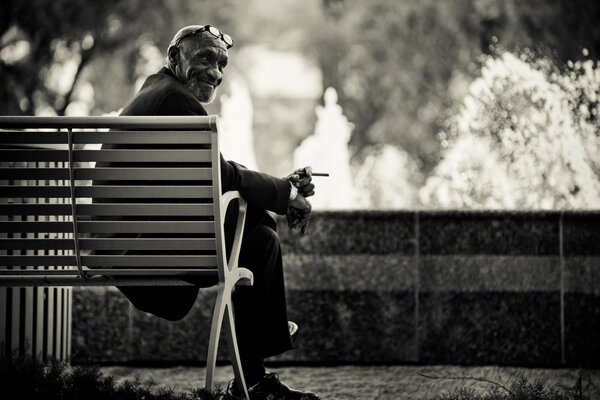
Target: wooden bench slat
x,y
178,244
132,209
110,227
107,191
36,227
147,227
138,122
35,191
72,271
15,261
133,156
117,174
150,244
40,137
154,192
37,244
34,173
112,261
34,155
98,280
143,137
150,261
132,174
35,209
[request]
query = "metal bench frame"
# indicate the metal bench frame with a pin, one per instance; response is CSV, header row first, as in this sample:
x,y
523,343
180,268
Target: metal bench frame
x,y
18,138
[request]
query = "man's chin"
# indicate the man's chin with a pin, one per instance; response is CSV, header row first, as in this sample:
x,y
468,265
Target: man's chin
x,y
207,98
204,93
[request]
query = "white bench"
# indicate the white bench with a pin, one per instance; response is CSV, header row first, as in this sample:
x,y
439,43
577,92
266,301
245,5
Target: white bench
x,y
158,220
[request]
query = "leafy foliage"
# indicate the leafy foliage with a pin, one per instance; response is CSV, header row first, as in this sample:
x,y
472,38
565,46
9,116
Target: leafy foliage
x,y
525,138
520,389
28,378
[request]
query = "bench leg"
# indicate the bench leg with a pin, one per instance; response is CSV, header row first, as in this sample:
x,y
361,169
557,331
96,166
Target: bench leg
x,y
234,352
224,312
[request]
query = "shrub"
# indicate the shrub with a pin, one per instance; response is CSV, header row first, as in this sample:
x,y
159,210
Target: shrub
x,y
27,378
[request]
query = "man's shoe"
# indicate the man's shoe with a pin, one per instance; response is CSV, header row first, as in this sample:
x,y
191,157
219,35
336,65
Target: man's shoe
x,y
271,388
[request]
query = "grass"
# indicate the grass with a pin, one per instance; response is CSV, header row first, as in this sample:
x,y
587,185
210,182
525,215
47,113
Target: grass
x,y
32,379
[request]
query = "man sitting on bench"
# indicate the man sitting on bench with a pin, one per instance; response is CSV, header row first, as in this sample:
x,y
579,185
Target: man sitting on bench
x,y
196,59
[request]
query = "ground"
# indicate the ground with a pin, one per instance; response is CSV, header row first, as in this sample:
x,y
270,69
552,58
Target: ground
x,y
372,382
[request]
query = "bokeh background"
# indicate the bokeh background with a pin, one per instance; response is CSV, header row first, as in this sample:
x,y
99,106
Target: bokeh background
x,y
422,104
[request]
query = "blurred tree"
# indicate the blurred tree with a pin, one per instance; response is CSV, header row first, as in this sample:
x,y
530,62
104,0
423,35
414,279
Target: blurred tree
x,y
401,67
45,45
522,140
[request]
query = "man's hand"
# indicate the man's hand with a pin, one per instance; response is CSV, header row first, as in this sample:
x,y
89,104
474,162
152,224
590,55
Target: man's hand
x,y
302,179
298,213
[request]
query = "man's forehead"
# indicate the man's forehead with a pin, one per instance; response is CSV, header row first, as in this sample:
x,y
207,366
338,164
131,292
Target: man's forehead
x,y
203,40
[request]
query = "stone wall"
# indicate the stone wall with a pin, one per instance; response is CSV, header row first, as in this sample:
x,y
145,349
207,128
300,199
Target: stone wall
x,y
520,288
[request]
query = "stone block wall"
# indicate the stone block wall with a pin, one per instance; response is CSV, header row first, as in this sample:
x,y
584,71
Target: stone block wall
x,y
518,288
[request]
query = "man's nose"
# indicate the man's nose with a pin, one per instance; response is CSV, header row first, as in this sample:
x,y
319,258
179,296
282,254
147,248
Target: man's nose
x,y
215,75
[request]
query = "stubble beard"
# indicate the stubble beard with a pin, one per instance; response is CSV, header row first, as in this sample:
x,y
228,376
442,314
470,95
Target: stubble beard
x,y
204,92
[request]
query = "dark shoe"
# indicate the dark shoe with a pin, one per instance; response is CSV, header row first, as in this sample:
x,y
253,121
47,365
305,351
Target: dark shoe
x,y
271,388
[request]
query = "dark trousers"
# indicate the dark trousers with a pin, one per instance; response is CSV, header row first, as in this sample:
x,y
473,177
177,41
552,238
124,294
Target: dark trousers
x,y
260,310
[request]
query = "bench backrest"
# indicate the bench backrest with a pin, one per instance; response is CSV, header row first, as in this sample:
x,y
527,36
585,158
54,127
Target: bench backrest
x,y
135,198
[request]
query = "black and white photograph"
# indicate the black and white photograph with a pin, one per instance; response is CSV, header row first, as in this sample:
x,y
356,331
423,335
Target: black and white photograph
x,y
300,199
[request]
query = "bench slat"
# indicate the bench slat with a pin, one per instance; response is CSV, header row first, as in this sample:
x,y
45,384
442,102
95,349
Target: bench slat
x,y
143,137
27,281
35,209
117,174
179,244
139,122
36,227
132,174
34,173
132,209
147,227
133,156
72,271
110,227
150,261
21,137
116,192
15,261
112,261
36,244
128,155
34,155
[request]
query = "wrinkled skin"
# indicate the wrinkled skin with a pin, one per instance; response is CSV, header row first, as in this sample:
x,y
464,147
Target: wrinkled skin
x,y
198,63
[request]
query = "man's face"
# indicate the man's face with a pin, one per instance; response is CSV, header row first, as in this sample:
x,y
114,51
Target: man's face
x,y
202,60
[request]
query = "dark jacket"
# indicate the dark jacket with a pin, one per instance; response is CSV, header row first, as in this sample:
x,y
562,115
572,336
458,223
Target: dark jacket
x,y
162,94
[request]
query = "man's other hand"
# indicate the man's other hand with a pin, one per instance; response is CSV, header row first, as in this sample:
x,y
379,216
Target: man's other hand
x,y
298,213
302,179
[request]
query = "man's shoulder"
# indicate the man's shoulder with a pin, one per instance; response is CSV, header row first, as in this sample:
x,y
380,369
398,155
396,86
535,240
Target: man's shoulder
x,y
162,94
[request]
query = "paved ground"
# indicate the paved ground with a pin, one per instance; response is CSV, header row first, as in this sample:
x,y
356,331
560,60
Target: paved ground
x,y
370,382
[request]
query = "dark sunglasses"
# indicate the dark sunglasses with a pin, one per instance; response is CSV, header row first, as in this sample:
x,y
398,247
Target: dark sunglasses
x,y
213,31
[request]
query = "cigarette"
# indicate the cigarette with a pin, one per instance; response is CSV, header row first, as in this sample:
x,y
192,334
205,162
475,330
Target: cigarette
x,y
320,174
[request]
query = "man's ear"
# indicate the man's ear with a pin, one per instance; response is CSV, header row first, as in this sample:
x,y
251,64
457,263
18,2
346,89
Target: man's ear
x,y
174,55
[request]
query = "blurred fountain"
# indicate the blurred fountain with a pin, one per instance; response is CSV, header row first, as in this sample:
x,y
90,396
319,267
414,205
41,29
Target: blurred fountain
x,y
235,128
327,151
388,179
526,137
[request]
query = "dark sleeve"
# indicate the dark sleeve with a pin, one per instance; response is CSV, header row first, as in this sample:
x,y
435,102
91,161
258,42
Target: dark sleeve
x,y
260,190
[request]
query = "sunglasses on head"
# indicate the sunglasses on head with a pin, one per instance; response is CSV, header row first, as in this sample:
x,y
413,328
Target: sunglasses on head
x,y
210,29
